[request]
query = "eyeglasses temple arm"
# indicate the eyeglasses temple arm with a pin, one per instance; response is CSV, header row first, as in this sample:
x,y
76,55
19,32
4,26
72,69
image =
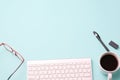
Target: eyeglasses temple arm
x,y
15,70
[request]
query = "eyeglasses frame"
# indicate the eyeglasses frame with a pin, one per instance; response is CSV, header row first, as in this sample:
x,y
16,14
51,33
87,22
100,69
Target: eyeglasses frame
x,y
18,55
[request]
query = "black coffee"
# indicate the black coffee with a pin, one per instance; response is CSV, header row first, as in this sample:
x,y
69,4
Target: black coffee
x,y
109,62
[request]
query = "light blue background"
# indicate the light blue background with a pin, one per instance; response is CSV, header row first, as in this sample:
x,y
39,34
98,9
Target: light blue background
x,y
57,29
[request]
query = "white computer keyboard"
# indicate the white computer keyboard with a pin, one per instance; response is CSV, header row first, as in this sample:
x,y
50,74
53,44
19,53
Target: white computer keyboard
x,y
65,69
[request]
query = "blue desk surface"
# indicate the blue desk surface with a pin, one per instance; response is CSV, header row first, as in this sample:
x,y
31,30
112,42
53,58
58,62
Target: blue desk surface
x,y
57,29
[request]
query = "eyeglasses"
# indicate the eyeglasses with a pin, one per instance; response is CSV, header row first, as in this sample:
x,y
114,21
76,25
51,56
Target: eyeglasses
x,y
19,56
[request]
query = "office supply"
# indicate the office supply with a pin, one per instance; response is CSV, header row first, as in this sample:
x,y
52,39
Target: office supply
x,y
98,37
109,62
65,69
18,55
114,45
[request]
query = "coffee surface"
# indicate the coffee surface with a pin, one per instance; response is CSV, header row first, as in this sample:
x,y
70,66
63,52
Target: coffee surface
x,y
109,62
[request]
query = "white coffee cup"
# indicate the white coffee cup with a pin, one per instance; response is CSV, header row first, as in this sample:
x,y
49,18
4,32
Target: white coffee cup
x,y
109,63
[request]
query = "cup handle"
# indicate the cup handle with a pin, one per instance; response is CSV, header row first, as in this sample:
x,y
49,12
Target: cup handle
x,y
109,76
